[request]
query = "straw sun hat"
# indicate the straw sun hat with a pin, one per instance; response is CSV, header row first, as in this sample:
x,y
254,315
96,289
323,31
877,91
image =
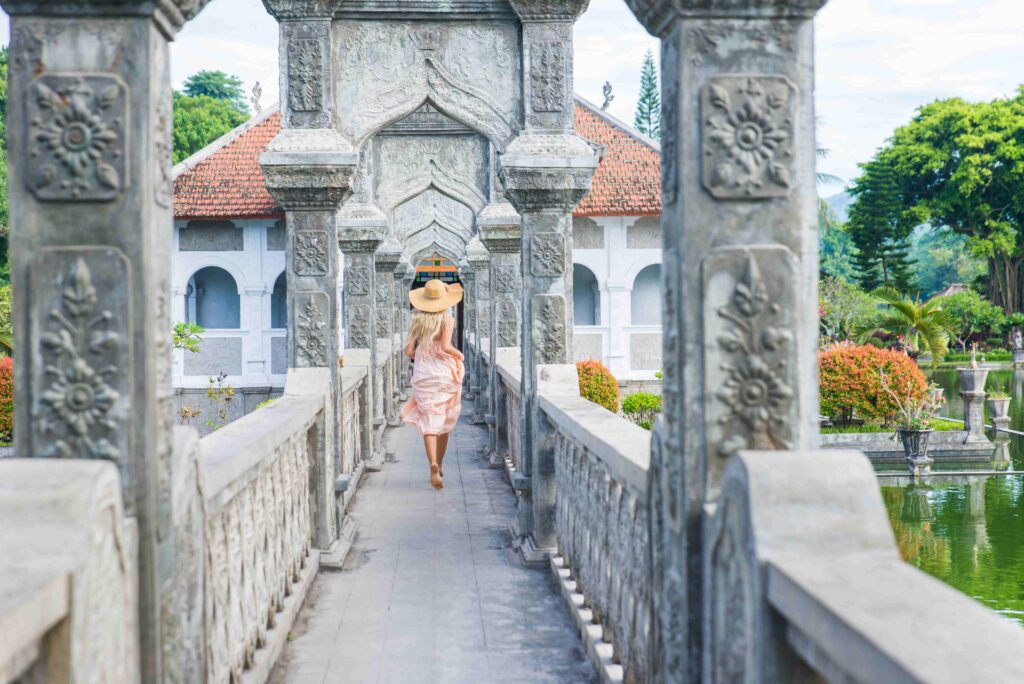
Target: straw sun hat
x,y
435,296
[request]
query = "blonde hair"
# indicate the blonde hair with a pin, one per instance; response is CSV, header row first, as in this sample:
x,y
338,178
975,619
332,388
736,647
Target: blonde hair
x,y
425,326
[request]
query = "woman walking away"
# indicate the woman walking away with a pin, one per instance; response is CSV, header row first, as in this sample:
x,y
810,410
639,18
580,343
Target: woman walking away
x,y
437,371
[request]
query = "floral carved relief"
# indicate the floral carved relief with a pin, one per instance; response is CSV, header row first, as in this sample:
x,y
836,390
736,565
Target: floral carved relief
x,y
547,255
547,76
76,137
751,356
309,253
83,416
359,326
549,328
505,279
508,324
311,342
747,136
305,75
732,619
357,280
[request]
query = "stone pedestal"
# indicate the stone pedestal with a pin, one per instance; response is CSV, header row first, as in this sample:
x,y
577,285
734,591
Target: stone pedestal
x,y
1018,357
972,391
739,278
500,235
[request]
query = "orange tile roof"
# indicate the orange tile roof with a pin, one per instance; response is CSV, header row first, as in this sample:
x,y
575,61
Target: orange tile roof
x,y
224,181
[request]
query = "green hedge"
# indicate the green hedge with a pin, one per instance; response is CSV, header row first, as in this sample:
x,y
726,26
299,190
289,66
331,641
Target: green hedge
x,y
598,384
642,408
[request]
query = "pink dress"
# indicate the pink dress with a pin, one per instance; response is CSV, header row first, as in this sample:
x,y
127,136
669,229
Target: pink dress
x,y
436,400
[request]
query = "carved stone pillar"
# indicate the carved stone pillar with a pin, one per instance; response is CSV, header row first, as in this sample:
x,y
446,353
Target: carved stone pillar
x,y
90,208
359,247
468,278
546,171
500,235
479,261
404,275
387,259
740,280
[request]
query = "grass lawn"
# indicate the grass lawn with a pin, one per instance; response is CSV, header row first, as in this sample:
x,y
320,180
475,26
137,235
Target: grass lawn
x,y
938,425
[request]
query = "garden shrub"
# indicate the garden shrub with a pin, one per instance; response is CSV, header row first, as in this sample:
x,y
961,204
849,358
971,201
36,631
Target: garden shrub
x,y
642,408
6,399
598,384
850,383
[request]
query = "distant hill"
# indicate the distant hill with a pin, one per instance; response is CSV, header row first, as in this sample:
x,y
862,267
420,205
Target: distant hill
x,y
840,205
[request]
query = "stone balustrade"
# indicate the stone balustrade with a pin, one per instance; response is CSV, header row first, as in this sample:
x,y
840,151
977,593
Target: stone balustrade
x,y
68,576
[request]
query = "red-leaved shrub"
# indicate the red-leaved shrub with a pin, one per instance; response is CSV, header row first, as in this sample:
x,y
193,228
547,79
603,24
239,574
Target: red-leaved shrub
x,y
598,384
851,386
6,399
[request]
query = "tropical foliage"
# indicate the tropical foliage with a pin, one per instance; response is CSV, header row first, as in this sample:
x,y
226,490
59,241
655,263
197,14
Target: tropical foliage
x,y
199,120
219,86
6,399
598,384
974,316
850,383
844,309
918,326
642,408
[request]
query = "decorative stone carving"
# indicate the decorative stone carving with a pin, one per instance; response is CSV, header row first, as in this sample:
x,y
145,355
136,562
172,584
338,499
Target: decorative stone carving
x,y
508,324
305,75
733,35
359,326
76,137
750,357
311,329
549,328
645,233
163,145
357,280
506,279
547,255
587,234
309,252
731,628
547,76
83,398
747,136
211,236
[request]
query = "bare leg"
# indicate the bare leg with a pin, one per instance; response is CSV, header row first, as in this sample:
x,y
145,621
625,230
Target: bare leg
x,y
442,446
430,443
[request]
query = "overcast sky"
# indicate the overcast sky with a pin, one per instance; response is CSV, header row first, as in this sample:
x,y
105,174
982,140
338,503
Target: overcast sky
x,y
877,60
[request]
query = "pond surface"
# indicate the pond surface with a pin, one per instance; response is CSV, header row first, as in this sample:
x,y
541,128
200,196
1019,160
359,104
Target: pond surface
x,y
968,530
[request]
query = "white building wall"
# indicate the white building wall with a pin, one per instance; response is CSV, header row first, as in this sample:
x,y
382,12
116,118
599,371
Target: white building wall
x,y
616,249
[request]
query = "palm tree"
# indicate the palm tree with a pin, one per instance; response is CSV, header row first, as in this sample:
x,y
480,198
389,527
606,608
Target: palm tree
x,y
919,324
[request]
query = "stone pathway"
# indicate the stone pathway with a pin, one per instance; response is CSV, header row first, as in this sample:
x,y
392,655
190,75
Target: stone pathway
x,y
431,591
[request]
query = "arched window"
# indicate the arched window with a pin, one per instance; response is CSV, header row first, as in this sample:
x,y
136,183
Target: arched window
x,y
211,299
646,297
279,303
586,298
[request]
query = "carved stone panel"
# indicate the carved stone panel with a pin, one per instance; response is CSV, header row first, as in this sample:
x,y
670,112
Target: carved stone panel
x,y
76,148
80,315
750,377
357,280
732,632
358,327
311,311
747,130
508,324
211,236
506,280
547,255
547,76
305,75
310,256
548,328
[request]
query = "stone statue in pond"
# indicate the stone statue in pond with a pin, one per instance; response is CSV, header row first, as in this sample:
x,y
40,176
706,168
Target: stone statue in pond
x,y
1018,340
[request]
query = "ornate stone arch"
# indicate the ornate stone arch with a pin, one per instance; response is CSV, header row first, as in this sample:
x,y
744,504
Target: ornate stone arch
x,y
401,191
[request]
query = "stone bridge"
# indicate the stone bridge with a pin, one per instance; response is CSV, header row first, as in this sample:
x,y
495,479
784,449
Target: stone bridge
x,y
721,547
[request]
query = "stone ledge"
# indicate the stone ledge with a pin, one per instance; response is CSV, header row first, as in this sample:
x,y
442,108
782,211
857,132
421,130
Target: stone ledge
x,y
599,651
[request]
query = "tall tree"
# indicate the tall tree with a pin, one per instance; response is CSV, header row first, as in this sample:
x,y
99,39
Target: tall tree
x,y
648,107
218,85
834,245
880,229
200,120
961,165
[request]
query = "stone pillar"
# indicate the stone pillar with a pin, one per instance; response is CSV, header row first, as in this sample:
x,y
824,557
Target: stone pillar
x,y
480,262
387,259
972,391
308,169
359,246
403,281
546,171
89,128
500,235
468,278
739,276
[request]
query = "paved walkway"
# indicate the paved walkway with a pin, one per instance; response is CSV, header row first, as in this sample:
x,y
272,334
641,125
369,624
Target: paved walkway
x,y
431,591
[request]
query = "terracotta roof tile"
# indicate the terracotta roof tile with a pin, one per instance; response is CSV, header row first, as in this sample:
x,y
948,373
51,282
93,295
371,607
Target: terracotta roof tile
x,y
228,182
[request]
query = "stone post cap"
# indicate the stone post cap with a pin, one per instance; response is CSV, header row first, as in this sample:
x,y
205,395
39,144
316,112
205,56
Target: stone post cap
x,y
309,146
169,15
405,269
300,9
309,169
360,239
499,213
353,215
477,256
501,238
550,151
388,256
466,269
657,15
549,10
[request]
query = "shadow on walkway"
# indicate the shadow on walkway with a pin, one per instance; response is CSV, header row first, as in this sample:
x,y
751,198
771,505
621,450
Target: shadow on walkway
x,y
431,591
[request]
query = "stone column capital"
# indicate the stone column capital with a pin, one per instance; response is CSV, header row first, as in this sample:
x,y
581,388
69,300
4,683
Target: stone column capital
x,y
657,15
547,171
501,239
309,169
169,16
290,10
549,10
477,256
388,256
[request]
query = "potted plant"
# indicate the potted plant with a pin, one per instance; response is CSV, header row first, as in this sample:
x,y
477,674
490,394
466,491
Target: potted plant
x,y
913,426
998,400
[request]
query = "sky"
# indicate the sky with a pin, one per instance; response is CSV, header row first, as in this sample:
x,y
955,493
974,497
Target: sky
x,y
877,60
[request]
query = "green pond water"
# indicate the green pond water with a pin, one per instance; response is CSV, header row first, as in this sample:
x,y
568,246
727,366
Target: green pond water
x,y
969,530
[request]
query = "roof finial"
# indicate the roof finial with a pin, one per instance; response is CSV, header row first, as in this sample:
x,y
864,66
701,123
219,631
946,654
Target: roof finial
x,y
257,92
608,97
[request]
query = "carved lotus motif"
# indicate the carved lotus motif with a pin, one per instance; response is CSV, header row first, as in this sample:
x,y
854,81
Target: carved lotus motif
x,y
755,392
80,396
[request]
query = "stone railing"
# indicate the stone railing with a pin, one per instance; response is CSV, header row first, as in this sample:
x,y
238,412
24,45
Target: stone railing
x,y
68,576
